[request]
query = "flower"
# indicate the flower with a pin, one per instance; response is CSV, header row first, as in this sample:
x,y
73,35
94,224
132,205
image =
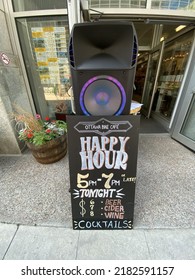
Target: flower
x,y
29,135
47,118
37,131
38,117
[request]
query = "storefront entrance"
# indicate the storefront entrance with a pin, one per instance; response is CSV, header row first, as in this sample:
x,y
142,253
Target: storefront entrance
x,y
184,127
167,64
162,68
159,77
168,94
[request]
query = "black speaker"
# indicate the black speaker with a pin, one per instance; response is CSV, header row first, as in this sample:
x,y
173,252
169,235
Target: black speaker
x,y
102,57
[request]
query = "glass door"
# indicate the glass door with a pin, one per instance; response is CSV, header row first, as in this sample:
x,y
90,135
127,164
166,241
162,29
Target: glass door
x,y
44,44
140,76
174,61
184,128
151,80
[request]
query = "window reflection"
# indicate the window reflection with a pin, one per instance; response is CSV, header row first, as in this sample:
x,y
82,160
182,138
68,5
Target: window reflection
x,y
171,4
173,65
44,43
31,5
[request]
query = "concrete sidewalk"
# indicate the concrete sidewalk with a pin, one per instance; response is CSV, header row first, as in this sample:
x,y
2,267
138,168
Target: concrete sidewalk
x,y
56,243
36,220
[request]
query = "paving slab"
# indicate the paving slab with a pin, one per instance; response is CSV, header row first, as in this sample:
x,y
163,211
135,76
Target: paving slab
x,y
174,244
165,184
6,234
112,245
43,243
36,194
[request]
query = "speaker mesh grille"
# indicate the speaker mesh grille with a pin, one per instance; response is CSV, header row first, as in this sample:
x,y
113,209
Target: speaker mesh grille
x,y
135,49
71,54
102,95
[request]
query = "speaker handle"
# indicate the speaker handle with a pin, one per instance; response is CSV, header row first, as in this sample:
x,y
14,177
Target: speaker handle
x,y
70,92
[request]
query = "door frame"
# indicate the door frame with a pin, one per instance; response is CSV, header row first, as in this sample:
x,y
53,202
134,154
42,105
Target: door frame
x,y
160,48
185,103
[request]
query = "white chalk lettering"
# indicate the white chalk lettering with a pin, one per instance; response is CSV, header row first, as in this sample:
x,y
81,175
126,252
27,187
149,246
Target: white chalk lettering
x,y
105,151
97,193
125,224
93,193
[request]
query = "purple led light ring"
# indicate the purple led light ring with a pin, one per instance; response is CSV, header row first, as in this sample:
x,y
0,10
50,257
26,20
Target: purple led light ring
x,y
90,81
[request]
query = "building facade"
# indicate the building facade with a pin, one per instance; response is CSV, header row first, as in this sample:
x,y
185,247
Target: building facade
x,y
34,66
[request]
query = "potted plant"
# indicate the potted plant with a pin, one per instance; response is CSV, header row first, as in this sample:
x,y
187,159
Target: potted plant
x,y
45,138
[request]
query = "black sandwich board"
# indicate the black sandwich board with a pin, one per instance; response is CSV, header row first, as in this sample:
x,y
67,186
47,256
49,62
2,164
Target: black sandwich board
x,y
103,163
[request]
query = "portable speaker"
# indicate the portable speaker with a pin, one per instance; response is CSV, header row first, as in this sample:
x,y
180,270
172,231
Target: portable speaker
x,y
102,58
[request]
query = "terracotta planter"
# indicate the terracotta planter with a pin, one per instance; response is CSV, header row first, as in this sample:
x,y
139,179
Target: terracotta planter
x,y
50,152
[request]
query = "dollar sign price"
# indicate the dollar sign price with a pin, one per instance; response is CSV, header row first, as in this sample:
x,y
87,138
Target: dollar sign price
x,y
83,211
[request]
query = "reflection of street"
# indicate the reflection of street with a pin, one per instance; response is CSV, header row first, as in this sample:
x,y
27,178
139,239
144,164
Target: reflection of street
x,y
52,96
56,93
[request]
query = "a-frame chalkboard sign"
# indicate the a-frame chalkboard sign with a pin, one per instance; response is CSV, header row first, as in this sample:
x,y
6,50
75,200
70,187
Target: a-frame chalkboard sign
x,y
103,163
